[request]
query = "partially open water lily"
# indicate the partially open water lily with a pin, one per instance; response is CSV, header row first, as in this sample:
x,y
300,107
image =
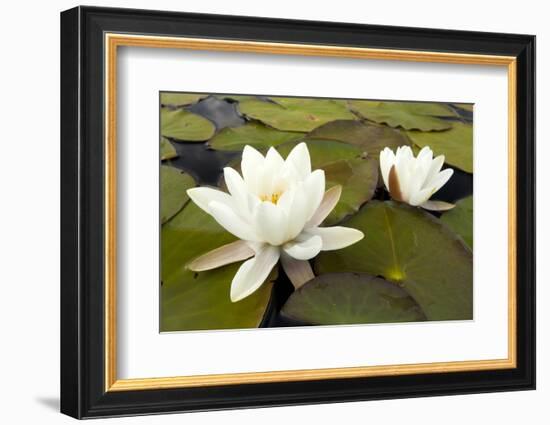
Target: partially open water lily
x,y
275,209
414,180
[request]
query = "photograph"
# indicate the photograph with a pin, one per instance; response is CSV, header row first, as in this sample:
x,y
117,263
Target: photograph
x,y
281,211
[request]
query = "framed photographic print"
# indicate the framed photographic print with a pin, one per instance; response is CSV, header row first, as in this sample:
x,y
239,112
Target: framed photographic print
x,y
263,212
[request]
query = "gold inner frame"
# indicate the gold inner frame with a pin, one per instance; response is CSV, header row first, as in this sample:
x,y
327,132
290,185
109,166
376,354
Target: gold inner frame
x,y
113,41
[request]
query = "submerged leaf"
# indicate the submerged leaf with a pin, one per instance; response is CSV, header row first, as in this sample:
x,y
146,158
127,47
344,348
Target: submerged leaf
x,y
407,115
173,191
410,247
195,301
184,125
350,298
295,114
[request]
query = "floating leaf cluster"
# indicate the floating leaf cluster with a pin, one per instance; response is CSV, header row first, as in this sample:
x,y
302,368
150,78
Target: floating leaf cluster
x,y
412,265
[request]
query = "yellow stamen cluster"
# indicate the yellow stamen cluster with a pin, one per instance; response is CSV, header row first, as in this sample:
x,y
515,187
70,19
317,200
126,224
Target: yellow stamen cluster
x,y
273,198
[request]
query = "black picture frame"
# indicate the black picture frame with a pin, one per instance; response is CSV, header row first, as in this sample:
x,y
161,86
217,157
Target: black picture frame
x,y
83,392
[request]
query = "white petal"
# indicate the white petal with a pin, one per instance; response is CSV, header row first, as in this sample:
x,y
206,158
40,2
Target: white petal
x,y
387,160
273,160
299,158
295,205
435,166
442,178
314,189
232,222
239,191
226,254
304,248
251,164
270,222
337,237
298,271
202,196
420,197
330,200
252,273
437,206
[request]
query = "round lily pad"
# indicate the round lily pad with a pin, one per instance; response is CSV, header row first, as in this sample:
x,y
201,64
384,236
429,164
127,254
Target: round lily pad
x,y
413,249
371,138
407,115
461,220
184,125
167,151
295,114
197,301
173,191
351,298
180,99
456,144
254,134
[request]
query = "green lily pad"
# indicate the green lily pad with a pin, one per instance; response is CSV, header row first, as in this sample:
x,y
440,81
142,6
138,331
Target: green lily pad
x,y
184,125
295,114
344,165
461,220
410,247
351,298
456,144
254,134
371,138
173,191
180,99
407,115
466,106
167,151
238,97
199,301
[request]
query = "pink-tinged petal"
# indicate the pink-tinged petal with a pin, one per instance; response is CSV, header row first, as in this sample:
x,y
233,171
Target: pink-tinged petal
x,y
337,237
437,206
270,222
299,158
202,196
304,248
226,254
298,271
253,273
330,200
387,160
232,222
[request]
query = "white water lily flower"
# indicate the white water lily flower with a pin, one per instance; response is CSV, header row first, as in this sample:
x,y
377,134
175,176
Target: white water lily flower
x,y
275,209
414,180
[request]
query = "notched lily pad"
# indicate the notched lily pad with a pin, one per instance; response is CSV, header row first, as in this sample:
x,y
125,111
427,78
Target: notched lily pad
x,y
456,144
195,301
461,220
415,250
180,99
167,151
254,134
173,191
407,115
295,114
371,138
351,298
184,125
